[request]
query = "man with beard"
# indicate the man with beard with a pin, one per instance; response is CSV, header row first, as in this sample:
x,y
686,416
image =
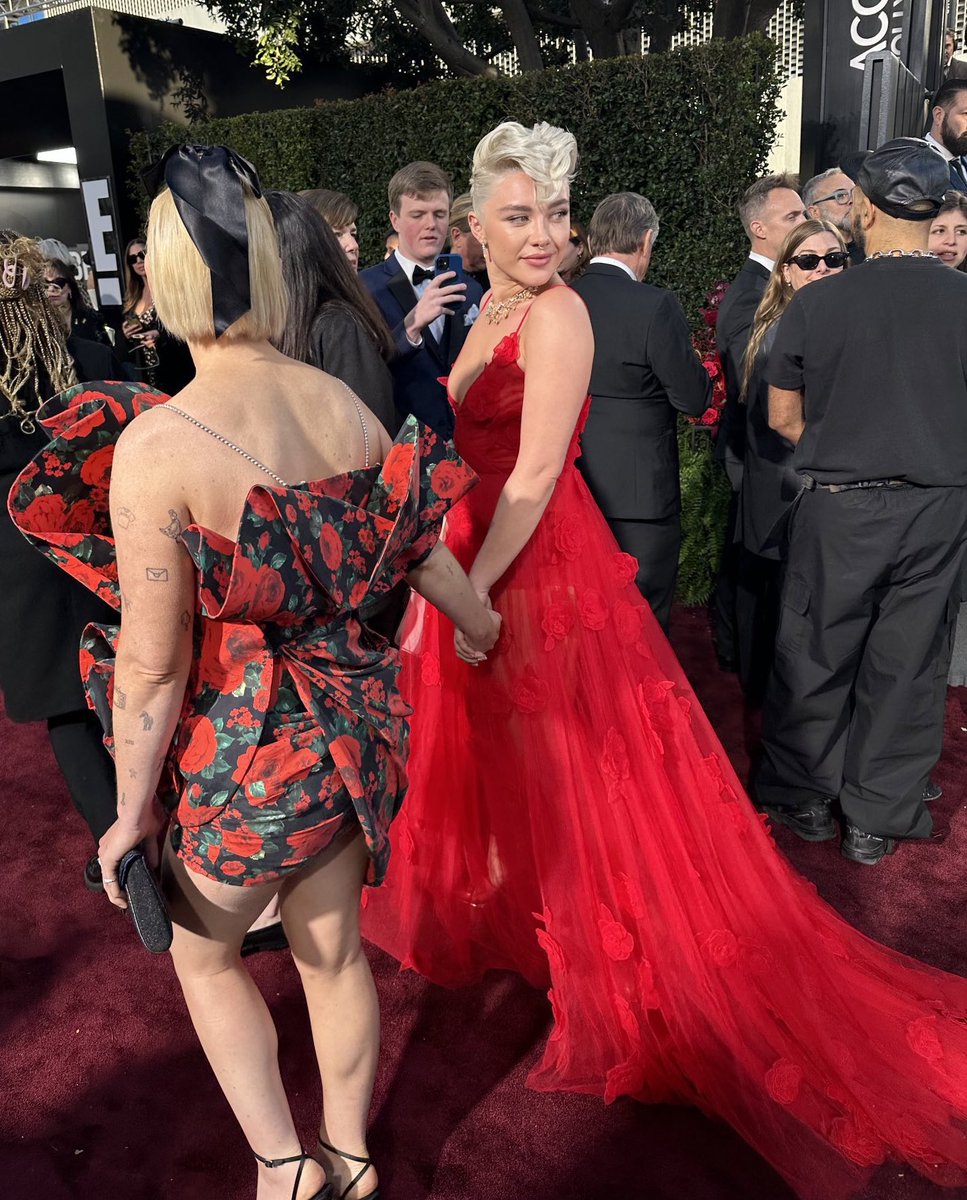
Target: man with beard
x,y
829,197
877,540
948,130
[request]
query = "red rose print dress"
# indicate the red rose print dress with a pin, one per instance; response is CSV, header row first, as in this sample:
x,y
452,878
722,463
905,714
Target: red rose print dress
x,y
293,726
573,817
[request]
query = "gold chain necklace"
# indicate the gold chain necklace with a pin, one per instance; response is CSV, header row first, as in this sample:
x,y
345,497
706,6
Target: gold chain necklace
x,y
498,311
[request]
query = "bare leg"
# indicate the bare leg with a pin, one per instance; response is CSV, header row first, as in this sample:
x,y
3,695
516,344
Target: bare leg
x,y
320,911
231,1019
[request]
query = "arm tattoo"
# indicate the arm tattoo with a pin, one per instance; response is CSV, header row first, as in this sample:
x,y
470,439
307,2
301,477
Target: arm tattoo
x,y
185,620
146,720
156,574
120,698
123,800
174,528
132,774
126,518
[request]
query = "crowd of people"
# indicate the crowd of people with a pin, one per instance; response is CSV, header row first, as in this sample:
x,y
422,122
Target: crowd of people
x,y
379,591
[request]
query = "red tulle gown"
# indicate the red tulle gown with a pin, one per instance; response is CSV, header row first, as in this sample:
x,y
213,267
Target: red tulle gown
x,y
573,817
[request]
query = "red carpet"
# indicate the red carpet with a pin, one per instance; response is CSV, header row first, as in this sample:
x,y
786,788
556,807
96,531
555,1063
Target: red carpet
x,y
106,1093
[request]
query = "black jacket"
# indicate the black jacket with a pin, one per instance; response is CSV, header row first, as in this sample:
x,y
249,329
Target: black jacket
x,y
645,371
416,370
733,327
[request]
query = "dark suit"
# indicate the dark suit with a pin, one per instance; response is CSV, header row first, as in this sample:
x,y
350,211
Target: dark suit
x,y
958,182
955,69
417,369
645,371
732,328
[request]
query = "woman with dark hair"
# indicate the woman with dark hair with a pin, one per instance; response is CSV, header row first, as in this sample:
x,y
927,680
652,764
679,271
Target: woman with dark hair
x,y
339,213
577,253
71,304
948,232
152,355
332,321
42,612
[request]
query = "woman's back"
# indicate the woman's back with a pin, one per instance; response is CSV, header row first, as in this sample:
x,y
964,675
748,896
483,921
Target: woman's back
x,y
295,420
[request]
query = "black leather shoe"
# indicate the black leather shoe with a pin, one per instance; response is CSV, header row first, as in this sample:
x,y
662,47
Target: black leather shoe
x,y
812,822
866,848
92,875
931,792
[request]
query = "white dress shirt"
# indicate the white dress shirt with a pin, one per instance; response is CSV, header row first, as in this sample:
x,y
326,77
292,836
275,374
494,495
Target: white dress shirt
x,y
942,150
614,262
768,263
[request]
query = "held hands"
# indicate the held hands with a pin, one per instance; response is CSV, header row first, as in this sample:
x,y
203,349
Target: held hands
x,y
434,302
124,835
472,647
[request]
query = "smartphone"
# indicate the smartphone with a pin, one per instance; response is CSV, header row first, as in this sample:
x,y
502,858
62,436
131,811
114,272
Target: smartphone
x,y
448,262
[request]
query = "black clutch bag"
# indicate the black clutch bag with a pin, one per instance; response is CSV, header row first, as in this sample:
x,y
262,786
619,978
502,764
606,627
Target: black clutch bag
x,y
146,905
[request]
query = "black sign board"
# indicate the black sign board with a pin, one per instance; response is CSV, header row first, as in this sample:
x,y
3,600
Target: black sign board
x,y
840,35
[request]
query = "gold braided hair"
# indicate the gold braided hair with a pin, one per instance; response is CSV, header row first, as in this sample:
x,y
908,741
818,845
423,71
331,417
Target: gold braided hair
x,y
33,343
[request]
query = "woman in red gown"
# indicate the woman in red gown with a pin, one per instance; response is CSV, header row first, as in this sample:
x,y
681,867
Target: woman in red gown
x,y
572,815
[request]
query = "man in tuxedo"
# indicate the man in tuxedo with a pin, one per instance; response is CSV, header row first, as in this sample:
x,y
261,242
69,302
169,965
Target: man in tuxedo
x,y
645,371
768,210
463,242
953,68
829,197
428,313
948,129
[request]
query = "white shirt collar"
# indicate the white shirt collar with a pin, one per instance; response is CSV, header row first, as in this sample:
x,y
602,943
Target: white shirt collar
x,y
614,262
408,265
938,146
768,263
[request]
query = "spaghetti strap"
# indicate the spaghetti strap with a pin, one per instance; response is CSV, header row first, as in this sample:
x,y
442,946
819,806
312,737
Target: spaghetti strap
x,y
531,305
362,420
225,442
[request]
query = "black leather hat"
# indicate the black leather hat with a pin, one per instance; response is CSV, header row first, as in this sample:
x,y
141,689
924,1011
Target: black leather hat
x,y
904,178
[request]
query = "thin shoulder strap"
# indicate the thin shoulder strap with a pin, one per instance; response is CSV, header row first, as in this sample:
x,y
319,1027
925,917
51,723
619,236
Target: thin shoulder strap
x,y
531,305
362,420
225,442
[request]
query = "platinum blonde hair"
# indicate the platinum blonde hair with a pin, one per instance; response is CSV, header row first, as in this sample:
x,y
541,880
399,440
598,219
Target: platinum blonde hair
x,y
546,154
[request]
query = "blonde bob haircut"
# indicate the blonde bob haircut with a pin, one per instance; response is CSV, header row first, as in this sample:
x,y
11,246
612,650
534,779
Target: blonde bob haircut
x,y
181,283
546,154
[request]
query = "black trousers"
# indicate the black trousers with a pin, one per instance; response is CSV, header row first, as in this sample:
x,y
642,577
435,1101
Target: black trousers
x,y
851,708
757,594
655,544
77,741
724,630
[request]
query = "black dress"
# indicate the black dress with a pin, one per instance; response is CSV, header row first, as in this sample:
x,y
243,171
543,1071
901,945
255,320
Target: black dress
x,y
167,365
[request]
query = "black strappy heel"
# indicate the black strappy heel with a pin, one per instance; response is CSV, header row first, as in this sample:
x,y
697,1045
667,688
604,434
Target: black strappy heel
x,y
326,1191
367,1163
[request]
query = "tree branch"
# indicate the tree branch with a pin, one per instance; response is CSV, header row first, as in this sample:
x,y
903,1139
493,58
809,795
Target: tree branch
x,y
544,16
431,21
522,31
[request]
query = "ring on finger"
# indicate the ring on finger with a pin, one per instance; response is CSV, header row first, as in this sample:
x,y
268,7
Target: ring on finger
x,y
107,881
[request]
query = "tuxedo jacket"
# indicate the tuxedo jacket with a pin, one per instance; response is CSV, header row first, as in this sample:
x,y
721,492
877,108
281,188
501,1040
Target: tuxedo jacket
x,y
417,370
732,329
645,372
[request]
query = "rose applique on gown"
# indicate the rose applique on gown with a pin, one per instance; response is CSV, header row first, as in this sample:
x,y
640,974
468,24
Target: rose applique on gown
x,y
293,724
573,817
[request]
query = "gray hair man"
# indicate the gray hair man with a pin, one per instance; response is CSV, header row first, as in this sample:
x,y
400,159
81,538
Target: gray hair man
x,y
644,373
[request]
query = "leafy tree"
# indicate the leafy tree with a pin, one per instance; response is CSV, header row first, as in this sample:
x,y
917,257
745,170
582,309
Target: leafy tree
x,y
414,37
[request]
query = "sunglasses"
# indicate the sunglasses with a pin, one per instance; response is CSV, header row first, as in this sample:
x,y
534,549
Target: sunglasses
x,y
809,262
59,282
134,258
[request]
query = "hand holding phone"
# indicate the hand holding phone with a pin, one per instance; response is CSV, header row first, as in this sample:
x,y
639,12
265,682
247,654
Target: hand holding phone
x,y
448,262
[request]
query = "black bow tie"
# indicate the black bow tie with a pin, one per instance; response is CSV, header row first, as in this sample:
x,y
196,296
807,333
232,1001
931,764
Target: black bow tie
x,y
421,275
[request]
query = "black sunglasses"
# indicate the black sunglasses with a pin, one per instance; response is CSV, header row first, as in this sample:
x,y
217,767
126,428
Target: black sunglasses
x,y
59,282
138,257
809,261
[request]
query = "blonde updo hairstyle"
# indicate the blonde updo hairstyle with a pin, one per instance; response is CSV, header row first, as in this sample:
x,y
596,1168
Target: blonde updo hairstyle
x,y
546,154
181,283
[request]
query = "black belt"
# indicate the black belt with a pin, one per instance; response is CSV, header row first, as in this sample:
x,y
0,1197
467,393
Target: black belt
x,y
809,484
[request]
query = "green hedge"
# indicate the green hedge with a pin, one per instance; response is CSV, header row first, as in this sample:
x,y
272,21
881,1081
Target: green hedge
x,y
689,129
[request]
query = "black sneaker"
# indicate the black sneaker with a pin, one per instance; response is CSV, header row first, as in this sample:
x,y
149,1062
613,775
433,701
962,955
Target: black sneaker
x,y
92,875
931,791
865,848
812,822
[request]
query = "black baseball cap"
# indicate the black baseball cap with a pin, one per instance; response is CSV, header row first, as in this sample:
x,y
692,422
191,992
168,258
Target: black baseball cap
x,y
904,178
